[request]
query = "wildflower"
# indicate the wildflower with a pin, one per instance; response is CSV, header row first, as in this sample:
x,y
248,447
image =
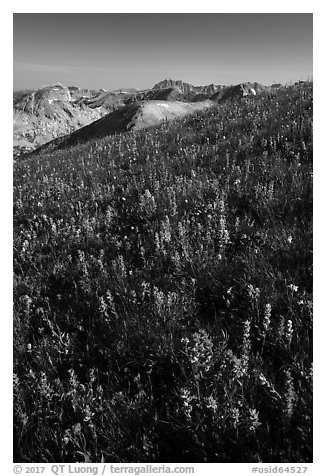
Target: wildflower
x,y
92,377
25,246
289,331
88,414
211,403
103,307
293,288
254,293
110,304
237,368
158,299
28,302
290,239
182,231
186,404
222,231
77,428
267,317
15,380
235,416
185,395
185,340
147,203
246,345
119,266
201,353
45,388
310,374
254,422
289,395
246,331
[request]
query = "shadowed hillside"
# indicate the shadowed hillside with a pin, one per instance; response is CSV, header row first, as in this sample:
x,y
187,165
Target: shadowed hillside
x,y
131,117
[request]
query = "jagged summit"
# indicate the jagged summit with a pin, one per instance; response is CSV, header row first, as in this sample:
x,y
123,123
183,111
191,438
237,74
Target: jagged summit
x,y
171,83
187,88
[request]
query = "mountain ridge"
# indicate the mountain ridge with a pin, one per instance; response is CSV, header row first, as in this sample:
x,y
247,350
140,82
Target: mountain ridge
x,y
53,111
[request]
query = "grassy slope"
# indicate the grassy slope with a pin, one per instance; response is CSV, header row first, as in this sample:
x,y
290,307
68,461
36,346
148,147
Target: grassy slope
x,y
163,291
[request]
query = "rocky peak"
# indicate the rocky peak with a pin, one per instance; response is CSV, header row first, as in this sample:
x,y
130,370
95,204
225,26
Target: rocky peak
x,y
186,88
171,83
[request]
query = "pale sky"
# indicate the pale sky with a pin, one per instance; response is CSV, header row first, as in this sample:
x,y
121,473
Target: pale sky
x,y
111,50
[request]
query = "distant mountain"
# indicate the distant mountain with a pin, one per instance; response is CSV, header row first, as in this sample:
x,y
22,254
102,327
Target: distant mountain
x,y
43,115
188,92
52,102
171,83
53,111
135,116
187,88
171,90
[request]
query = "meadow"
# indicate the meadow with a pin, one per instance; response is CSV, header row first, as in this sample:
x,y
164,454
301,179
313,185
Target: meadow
x,y
163,291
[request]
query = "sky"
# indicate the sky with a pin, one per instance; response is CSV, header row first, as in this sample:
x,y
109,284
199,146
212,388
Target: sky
x,y
137,50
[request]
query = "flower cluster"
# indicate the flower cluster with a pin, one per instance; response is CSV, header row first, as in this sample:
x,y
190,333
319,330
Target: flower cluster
x,y
200,352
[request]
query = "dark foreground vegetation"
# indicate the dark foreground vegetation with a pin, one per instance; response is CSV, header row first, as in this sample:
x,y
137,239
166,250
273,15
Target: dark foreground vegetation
x,y
163,291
